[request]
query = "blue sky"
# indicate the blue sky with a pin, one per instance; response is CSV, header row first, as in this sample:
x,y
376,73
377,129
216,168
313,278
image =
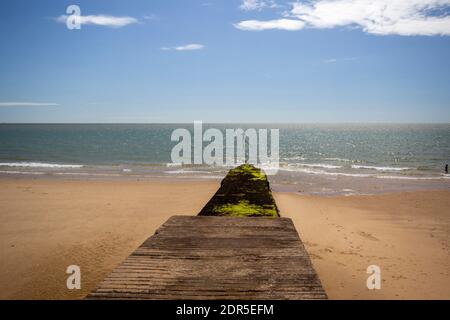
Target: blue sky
x,y
226,61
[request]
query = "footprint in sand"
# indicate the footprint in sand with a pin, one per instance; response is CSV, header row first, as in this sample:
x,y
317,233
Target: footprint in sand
x,y
367,236
310,244
315,256
326,250
351,253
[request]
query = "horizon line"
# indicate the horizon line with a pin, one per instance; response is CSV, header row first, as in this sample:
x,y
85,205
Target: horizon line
x,y
224,122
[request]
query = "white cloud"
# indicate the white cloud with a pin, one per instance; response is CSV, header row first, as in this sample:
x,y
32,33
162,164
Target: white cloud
x,y
382,17
102,20
250,5
28,104
187,47
280,24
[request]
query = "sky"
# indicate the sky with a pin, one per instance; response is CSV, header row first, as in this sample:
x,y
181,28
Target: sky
x,y
225,61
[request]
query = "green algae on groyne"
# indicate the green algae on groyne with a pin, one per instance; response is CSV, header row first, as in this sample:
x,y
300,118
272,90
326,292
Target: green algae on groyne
x,y
244,192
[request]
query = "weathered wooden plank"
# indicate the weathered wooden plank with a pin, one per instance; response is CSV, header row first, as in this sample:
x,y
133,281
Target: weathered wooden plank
x,y
216,258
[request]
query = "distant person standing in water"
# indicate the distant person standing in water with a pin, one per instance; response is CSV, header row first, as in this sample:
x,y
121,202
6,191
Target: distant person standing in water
x,y
446,169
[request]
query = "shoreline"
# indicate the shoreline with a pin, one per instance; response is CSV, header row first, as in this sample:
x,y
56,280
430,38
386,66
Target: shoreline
x,y
48,224
284,181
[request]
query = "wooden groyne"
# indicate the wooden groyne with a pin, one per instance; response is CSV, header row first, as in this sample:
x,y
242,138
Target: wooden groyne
x,y
244,192
237,248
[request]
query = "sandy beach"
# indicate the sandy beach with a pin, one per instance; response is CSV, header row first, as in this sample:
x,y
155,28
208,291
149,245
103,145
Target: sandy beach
x,y
49,224
405,234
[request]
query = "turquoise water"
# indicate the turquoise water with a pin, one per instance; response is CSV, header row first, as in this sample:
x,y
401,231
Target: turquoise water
x,y
308,153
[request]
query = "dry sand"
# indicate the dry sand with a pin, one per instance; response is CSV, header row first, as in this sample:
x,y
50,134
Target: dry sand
x,y
47,225
405,234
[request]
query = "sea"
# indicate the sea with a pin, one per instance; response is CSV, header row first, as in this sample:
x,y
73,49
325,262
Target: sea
x,y
325,159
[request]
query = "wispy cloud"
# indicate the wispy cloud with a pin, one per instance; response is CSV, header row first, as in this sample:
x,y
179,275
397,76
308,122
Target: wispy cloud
x,y
187,47
251,5
280,24
380,17
102,20
28,104
334,60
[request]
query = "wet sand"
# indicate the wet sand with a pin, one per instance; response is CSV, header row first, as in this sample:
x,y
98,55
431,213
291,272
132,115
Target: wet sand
x,y
49,224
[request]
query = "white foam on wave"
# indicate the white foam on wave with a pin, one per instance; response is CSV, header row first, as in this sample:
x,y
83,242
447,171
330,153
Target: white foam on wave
x,y
88,174
319,165
316,165
181,171
22,172
411,178
362,175
295,158
326,173
343,174
170,164
380,168
338,159
39,165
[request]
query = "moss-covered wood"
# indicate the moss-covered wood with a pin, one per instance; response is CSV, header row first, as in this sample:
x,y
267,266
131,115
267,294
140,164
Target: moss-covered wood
x,y
211,258
244,192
